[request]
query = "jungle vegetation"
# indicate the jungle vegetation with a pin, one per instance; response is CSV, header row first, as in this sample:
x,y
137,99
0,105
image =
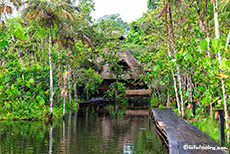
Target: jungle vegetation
x,y
48,54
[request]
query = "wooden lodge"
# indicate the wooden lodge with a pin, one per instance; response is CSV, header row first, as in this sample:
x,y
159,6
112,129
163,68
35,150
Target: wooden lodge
x,y
132,69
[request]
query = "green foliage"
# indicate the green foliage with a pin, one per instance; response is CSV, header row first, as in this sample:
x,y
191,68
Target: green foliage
x,y
119,87
115,21
89,79
24,94
24,69
152,4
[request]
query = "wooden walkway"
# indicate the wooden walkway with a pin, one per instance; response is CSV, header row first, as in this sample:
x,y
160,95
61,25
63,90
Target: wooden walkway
x,y
176,133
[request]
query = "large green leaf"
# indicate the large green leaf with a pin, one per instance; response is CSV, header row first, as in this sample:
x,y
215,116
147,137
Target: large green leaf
x,y
31,80
216,44
225,64
204,44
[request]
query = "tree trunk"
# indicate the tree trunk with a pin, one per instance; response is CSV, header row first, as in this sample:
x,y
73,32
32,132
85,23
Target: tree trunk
x,y
207,27
87,94
168,94
51,71
43,53
170,55
65,94
116,95
69,82
216,21
70,86
75,91
181,91
190,88
177,65
59,81
64,99
199,18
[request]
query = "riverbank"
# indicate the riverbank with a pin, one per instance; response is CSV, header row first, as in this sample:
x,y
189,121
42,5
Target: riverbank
x,y
36,113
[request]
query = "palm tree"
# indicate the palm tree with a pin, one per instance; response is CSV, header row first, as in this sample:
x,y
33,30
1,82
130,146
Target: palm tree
x,y
224,4
6,7
67,39
48,14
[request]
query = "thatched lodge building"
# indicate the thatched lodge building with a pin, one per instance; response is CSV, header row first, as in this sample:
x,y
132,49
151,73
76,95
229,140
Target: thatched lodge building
x,y
131,71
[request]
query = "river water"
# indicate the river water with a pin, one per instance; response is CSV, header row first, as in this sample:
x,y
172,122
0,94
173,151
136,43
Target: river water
x,y
83,132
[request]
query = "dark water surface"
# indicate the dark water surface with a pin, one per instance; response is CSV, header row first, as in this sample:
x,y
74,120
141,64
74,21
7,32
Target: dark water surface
x,y
81,133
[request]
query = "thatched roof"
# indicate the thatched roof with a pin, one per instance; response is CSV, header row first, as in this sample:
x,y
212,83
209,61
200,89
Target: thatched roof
x,y
126,58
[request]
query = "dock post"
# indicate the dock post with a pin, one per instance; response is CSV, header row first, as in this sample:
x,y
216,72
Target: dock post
x,y
149,102
194,108
222,136
175,103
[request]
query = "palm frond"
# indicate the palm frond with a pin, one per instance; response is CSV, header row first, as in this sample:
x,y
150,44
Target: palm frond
x,y
53,12
224,4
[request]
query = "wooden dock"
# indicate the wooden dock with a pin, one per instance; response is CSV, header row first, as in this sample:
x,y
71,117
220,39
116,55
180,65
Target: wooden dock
x,y
176,133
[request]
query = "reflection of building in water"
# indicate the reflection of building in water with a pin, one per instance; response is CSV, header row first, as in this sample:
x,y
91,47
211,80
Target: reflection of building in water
x,y
137,111
127,148
63,146
106,129
122,132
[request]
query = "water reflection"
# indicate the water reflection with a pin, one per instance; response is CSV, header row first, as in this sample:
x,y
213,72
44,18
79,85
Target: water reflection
x,y
84,131
51,138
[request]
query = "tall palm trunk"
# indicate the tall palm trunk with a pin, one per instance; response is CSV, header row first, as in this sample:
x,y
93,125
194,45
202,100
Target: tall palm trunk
x,y
177,65
216,21
43,53
75,91
70,86
75,86
69,82
170,55
51,71
64,97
